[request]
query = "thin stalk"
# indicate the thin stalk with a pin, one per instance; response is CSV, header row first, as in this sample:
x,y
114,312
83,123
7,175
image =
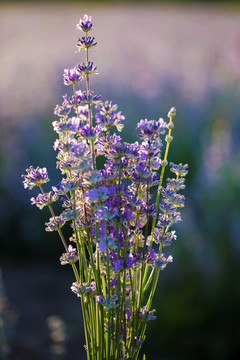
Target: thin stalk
x,y
118,318
85,323
53,215
74,92
164,163
109,295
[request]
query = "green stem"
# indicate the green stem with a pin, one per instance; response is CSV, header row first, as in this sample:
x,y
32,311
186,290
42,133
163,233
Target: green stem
x,y
164,163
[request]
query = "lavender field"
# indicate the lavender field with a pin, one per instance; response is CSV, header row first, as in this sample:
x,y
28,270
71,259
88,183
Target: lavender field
x,y
150,57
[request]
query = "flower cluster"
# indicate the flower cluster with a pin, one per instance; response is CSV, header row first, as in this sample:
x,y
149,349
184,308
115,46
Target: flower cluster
x,y
35,177
110,209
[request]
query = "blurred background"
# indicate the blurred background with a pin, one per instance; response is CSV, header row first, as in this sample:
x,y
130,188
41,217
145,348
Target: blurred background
x,y
150,56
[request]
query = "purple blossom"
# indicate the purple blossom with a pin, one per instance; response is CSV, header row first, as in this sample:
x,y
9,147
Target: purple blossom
x,y
87,69
108,117
81,290
85,24
169,218
92,178
65,186
105,213
83,98
130,261
108,303
62,110
90,196
86,43
162,262
55,223
162,237
113,283
44,199
89,132
176,184
147,315
107,243
180,169
66,125
100,194
35,177
71,76
172,197
151,128
138,342
70,257
128,314
117,265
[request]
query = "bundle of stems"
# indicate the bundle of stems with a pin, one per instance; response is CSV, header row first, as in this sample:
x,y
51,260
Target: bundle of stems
x,y
119,229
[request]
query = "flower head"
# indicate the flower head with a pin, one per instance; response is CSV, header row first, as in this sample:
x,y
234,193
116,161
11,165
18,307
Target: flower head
x,y
55,223
86,43
70,257
180,169
146,315
35,177
71,76
85,24
87,69
44,199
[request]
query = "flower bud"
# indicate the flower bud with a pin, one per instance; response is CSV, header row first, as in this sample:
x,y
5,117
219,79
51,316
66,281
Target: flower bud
x,y
168,138
172,112
170,125
164,163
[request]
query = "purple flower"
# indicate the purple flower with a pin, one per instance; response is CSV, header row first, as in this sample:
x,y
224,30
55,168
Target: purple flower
x,y
176,184
83,98
81,290
107,243
64,126
107,116
160,236
102,193
44,199
65,186
180,169
162,262
130,261
35,177
87,69
128,314
86,42
105,213
138,342
89,132
108,303
171,197
117,265
71,76
85,24
55,223
62,110
70,257
151,128
146,315
169,218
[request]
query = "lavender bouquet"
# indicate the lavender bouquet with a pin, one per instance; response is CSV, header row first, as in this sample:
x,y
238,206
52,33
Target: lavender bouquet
x,y
119,228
